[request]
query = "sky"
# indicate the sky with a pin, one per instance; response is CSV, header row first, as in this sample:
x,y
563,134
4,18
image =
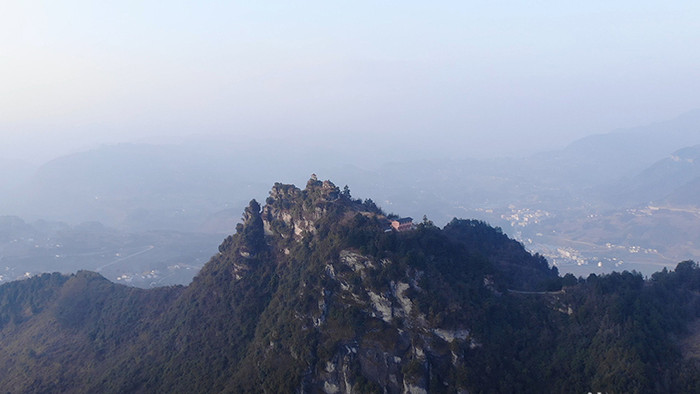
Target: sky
x,y
472,78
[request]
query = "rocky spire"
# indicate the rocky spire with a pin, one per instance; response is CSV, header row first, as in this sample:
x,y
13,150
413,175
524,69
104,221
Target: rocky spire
x,y
252,228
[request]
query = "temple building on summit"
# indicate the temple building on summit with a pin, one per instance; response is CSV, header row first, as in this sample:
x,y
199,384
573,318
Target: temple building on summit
x,y
402,224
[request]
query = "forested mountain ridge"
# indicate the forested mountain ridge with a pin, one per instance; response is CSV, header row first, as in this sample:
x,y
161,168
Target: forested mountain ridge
x,y
315,293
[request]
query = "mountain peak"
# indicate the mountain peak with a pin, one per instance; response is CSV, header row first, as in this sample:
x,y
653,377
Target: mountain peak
x,y
291,212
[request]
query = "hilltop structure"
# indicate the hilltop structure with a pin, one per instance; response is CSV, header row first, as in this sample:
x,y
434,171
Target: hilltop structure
x,y
402,224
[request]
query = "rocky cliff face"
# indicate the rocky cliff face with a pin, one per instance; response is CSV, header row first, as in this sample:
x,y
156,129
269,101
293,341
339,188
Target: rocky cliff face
x,y
409,352
292,212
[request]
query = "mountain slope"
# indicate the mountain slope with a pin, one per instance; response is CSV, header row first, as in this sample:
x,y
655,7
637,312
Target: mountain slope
x,y
314,293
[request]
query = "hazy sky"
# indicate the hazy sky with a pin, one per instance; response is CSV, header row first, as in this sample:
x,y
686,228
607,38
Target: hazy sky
x,y
487,77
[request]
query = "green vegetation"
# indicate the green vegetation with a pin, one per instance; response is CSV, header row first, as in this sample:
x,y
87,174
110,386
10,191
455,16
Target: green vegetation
x,y
314,293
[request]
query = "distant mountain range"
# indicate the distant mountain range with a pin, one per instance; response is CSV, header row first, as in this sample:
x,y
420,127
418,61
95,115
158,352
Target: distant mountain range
x,y
668,180
608,157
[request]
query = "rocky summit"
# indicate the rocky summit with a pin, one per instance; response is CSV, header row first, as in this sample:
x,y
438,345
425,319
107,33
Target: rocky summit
x,y
320,292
